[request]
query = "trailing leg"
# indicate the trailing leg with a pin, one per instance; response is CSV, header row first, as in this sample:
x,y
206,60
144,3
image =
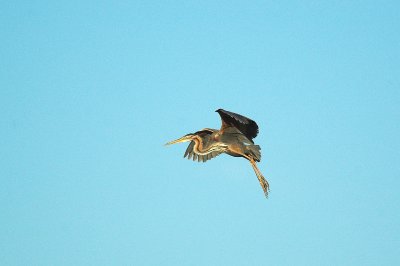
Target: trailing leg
x,y
263,182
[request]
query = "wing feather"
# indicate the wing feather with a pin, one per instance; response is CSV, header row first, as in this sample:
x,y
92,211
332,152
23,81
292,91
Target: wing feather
x,y
189,150
244,124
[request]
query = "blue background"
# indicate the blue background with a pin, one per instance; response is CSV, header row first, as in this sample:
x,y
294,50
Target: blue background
x,y
91,90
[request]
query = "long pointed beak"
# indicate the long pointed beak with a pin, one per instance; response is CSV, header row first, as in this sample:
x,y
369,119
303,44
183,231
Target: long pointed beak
x,y
183,139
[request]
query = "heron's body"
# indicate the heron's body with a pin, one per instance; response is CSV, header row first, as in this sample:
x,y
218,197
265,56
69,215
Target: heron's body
x,y
235,138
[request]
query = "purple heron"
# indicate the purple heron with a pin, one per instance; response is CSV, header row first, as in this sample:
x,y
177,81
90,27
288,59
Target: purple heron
x,y
235,138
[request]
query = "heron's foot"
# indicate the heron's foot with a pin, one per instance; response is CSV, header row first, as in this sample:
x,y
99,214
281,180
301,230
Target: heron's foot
x,y
264,185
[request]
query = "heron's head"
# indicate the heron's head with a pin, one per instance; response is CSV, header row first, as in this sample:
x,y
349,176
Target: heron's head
x,y
187,137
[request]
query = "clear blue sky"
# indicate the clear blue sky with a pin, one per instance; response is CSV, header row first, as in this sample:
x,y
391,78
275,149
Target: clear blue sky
x,y
91,90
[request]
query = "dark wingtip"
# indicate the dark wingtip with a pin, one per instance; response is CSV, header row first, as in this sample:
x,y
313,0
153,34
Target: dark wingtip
x,y
244,124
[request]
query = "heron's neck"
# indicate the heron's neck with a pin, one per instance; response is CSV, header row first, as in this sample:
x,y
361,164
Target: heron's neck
x,y
201,150
198,145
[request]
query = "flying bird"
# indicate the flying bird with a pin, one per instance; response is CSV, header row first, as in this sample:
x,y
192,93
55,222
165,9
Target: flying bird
x,y
235,138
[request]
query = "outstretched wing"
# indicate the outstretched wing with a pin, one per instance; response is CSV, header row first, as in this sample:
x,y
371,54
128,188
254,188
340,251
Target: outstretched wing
x,y
245,125
190,153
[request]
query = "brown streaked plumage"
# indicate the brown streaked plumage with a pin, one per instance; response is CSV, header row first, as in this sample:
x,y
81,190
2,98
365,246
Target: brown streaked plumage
x,y
235,138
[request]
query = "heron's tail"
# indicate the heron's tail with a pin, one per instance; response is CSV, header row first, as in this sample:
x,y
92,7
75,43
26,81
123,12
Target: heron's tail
x,y
254,152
